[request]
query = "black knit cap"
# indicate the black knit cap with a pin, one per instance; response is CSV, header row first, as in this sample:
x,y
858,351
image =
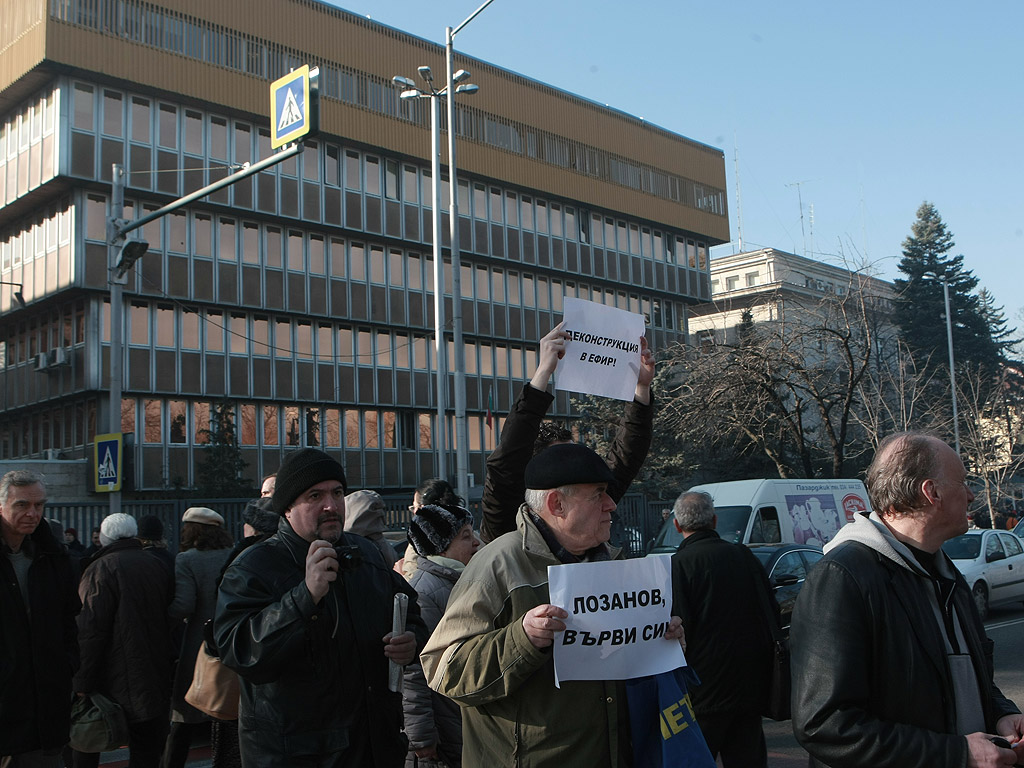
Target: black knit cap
x,y
566,464
300,471
434,527
151,528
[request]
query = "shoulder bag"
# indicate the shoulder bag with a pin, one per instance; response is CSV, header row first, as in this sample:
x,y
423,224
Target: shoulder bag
x,y
97,724
215,690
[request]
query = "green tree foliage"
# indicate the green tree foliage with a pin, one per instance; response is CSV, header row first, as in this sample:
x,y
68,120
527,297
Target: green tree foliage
x,y
220,473
980,337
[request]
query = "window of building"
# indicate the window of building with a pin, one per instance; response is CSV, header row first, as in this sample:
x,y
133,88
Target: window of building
x,y
270,431
751,279
732,282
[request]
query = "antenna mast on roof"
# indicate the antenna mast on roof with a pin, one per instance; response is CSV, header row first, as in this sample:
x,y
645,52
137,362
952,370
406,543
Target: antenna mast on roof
x,y
800,199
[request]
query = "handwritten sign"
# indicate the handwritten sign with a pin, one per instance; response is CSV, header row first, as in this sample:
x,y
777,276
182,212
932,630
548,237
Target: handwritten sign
x,y
618,614
602,355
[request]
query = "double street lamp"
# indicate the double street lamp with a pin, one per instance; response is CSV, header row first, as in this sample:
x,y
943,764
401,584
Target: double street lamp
x,y
455,83
412,91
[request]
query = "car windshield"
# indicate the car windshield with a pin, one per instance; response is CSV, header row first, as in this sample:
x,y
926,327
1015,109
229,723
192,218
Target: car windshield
x,y
963,547
732,522
668,539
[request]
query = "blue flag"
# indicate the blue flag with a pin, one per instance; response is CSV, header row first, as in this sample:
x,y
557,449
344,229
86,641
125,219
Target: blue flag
x,y
665,731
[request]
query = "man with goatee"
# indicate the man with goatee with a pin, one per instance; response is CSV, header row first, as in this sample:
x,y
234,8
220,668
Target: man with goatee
x,y
309,632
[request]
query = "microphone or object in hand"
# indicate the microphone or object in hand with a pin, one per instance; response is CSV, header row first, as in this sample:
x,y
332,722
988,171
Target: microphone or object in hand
x,y
397,628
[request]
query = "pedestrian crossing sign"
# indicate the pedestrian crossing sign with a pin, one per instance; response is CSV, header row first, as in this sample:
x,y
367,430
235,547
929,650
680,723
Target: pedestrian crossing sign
x,y
108,458
293,106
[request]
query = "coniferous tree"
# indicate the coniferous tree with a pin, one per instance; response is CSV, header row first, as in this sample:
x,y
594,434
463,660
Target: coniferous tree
x,y
920,303
221,466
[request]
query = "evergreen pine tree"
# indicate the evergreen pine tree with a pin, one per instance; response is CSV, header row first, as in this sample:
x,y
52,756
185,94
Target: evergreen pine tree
x,y
221,466
920,303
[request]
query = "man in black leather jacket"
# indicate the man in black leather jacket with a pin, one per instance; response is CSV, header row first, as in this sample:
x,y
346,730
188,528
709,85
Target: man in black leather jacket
x,y
891,666
309,632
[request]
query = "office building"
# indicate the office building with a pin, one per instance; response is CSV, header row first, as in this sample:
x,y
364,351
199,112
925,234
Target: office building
x,y
302,297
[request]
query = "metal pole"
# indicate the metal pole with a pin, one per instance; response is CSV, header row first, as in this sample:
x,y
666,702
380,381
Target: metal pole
x,y
227,181
952,369
461,428
114,241
440,356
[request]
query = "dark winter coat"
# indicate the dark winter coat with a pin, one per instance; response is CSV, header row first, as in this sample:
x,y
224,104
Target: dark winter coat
x,y
504,481
38,651
196,574
717,588
124,631
286,651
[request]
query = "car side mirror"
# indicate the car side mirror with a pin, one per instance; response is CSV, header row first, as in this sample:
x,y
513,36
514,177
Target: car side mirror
x,y
992,557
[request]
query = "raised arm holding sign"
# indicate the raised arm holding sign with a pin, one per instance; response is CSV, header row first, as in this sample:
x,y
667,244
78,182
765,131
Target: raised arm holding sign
x,y
503,483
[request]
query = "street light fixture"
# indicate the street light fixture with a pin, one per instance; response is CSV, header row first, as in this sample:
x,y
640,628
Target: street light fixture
x,y
454,83
412,91
18,296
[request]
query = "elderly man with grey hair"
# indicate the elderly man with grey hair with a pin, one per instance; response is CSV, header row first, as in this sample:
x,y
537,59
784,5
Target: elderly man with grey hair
x,y
891,665
719,589
38,644
125,637
492,650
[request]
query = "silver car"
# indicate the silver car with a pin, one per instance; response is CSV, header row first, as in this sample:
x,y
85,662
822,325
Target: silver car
x,y
992,562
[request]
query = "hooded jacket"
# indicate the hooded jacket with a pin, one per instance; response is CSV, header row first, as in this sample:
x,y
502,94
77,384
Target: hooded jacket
x,y
364,516
871,680
480,656
38,648
293,656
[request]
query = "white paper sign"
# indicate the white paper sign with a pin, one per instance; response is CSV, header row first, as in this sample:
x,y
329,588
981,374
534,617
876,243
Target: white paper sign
x,y
618,613
602,355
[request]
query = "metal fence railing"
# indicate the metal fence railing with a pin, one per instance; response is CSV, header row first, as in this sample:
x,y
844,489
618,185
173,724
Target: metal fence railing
x,y
638,518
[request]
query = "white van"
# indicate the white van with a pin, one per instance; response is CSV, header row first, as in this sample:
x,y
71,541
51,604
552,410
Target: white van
x,y
776,511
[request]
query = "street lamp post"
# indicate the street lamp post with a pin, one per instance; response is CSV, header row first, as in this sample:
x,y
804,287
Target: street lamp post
x,y
952,369
461,430
454,85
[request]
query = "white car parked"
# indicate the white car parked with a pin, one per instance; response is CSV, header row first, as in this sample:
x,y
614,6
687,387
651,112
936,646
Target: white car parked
x,y
992,562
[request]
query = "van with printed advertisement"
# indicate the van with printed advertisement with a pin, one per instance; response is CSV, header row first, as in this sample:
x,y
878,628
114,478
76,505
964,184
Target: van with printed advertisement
x,y
776,511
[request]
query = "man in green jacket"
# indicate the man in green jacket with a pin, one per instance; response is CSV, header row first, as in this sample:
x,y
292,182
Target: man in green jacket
x,y
491,652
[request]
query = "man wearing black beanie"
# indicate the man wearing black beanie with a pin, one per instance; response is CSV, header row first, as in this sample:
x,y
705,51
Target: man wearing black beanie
x,y
310,637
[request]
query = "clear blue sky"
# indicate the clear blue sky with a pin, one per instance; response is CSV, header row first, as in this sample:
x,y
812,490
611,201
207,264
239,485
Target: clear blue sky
x,y
873,106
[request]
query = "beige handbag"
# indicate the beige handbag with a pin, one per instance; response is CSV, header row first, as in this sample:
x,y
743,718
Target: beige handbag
x,y
214,690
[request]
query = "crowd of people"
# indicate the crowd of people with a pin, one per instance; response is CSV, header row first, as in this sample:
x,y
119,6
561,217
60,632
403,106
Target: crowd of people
x,y
890,663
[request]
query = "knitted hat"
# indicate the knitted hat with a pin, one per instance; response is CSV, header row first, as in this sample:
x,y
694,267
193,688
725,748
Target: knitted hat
x,y
202,515
259,513
151,528
118,526
566,464
434,527
300,471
